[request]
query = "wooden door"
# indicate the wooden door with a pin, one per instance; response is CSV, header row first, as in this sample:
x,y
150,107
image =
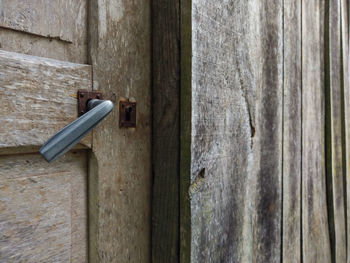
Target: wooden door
x,y
47,53
43,207
252,122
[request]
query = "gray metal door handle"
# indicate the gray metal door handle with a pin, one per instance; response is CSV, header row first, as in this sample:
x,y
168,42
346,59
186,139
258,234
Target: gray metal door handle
x,y
70,135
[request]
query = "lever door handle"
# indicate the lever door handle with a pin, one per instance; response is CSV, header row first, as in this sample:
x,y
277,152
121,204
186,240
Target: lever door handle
x,y
70,135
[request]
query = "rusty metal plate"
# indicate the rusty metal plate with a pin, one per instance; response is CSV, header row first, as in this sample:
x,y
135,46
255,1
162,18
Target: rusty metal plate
x,y
127,114
83,97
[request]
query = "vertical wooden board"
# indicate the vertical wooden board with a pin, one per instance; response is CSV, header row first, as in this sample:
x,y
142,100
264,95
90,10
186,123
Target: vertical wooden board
x,y
335,159
292,133
166,130
222,82
315,234
43,209
185,128
268,147
236,99
346,113
120,167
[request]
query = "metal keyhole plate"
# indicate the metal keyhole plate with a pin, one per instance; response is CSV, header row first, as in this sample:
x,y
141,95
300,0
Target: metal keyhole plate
x,y
127,114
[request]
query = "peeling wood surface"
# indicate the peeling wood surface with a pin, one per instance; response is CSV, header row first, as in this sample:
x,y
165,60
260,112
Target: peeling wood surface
x,y
291,242
38,98
43,209
166,128
120,165
315,233
235,191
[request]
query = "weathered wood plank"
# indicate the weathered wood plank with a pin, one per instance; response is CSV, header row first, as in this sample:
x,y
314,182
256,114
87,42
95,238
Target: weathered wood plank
x,y
15,41
268,146
185,129
236,151
120,174
166,130
291,250
38,97
336,206
346,113
54,29
315,234
43,209
221,128
54,19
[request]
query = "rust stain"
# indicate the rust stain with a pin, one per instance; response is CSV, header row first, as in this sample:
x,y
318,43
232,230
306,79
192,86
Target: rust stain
x,y
75,96
272,208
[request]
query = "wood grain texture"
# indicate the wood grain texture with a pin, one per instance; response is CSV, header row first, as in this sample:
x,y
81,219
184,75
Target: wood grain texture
x,y
166,130
38,98
291,223
346,114
268,145
221,86
43,206
55,29
120,167
15,41
185,129
315,234
43,209
54,19
336,208
235,191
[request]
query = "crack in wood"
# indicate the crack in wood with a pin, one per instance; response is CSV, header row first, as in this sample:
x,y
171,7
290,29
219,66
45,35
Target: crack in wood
x,y
38,35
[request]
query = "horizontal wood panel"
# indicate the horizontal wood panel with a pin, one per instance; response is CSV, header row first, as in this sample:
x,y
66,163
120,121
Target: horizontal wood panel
x,y
43,211
54,18
37,97
53,29
16,41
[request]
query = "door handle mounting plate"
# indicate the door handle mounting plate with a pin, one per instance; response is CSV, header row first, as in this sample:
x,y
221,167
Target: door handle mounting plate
x,y
83,97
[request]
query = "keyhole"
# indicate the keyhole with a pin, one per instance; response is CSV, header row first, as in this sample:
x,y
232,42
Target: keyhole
x,y
128,111
127,114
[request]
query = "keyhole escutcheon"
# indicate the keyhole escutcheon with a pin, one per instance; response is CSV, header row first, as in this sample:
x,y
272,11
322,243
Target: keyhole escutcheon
x,y
127,114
